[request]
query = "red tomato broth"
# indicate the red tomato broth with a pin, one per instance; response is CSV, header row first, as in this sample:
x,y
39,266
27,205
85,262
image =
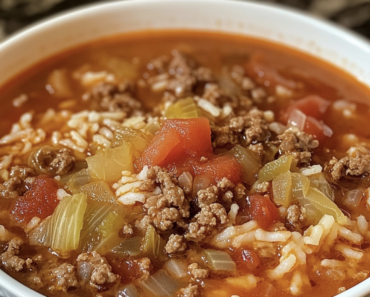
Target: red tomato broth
x,y
180,147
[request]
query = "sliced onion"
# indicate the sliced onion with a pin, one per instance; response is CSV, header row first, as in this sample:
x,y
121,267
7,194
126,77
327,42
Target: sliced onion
x,y
160,284
201,182
353,198
297,119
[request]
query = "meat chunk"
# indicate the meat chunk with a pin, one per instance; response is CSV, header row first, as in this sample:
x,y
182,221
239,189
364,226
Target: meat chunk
x,y
244,130
18,183
356,163
176,243
296,217
204,221
115,97
197,272
9,258
145,266
169,207
297,143
100,270
54,162
63,277
189,291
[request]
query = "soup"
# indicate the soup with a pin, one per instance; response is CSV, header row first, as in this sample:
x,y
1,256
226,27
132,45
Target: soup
x,y
184,164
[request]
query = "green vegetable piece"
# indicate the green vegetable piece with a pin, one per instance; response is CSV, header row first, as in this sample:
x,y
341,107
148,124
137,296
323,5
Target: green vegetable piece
x,y
321,202
160,284
102,224
275,168
248,161
300,186
78,179
153,244
128,247
319,182
108,164
137,138
98,190
219,261
183,109
282,189
65,224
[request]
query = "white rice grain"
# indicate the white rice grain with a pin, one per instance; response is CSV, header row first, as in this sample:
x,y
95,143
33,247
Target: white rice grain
x,y
132,198
296,284
313,235
71,145
6,161
362,224
55,138
78,139
61,194
277,236
32,224
108,134
101,140
332,263
352,237
348,251
25,120
311,170
26,148
209,107
284,267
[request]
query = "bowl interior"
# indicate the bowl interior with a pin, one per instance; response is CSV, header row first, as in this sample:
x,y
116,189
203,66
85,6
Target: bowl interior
x,y
296,30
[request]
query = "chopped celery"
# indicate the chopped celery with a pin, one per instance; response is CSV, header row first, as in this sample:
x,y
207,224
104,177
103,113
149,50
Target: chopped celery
x,y
176,267
127,291
98,190
300,185
219,261
275,168
183,109
248,161
282,189
102,223
61,231
270,152
319,182
78,179
108,164
160,284
129,247
313,214
321,202
153,244
137,138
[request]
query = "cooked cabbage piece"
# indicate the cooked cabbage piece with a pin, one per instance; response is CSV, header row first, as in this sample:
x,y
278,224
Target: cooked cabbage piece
x,y
275,168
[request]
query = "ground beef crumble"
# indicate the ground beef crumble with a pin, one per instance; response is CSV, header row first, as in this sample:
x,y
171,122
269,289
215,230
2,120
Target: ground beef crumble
x,y
115,97
169,207
189,291
176,243
244,130
205,220
20,179
63,277
299,144
296,217
101,271
197,272
9,258
356,163
55,162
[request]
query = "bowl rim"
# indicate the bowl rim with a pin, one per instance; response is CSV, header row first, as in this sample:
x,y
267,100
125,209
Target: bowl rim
x,y
18,289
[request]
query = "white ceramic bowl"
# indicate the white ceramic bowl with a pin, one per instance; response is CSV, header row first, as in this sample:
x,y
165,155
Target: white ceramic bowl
x,y
310,35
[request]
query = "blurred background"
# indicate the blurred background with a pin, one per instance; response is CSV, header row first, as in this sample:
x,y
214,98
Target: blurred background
x,y
354,14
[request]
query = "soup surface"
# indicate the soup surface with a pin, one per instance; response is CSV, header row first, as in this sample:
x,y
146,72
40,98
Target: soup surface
x,y
185,164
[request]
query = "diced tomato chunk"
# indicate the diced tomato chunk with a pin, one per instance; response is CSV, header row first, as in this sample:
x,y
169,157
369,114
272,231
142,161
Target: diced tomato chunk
x,y
219,167
317,129
177,139
40,201
312,105
263,210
